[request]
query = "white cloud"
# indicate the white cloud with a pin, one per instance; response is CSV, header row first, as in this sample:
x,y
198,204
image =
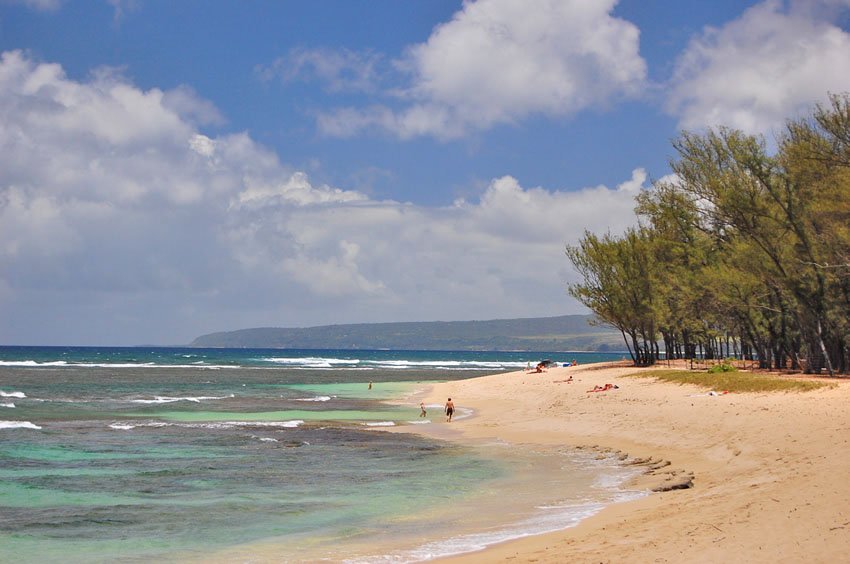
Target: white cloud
x,y
296,189
500,61
339,71
765,67
337,275
184,101
137,227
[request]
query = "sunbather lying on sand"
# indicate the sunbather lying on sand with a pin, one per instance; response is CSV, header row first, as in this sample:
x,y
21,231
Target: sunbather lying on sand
x,y
604,388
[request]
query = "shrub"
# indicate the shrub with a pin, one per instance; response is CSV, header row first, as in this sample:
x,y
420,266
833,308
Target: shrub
x,y
722,368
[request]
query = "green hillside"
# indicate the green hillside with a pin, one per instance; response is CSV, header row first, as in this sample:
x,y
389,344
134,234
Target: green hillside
x,y
564,333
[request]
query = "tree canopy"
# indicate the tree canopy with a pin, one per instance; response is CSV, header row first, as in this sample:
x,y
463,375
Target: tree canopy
x,y
739,253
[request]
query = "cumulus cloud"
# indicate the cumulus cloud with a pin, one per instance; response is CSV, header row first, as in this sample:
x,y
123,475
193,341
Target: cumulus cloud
x,y
297,189
500,61
770,64
185,102
121,222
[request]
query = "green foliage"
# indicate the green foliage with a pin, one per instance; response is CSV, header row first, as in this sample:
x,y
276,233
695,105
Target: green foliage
x,y
722,367
732,382
619,286
741,247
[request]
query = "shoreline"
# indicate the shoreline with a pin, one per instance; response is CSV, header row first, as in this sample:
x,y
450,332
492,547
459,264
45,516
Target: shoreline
x,y
764,472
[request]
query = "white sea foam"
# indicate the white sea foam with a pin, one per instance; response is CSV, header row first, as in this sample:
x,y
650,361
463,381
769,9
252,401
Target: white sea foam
x,y
62,363
10,404
286,424
18,425
30,363
167,399
128,426
447,364
462,413
326,363
334,368
314,362
380,424
317,398
212,425
19,395
301,363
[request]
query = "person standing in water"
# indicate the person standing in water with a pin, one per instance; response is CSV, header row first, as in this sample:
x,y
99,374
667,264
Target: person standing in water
x,y
450,409
422,407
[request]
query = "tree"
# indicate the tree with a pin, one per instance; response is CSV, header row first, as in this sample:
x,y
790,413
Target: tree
x,y
618,286
741,248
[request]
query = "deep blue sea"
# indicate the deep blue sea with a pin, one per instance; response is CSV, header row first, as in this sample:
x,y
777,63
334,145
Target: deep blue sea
x,y
185,454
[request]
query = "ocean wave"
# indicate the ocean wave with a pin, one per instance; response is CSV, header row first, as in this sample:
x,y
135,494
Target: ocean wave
x,y
319,363
334,368
380,424
19,395
31,363
212,425
467,368
167,399
317,398
65,364
18,425
313,362
448,364
10,404
299,363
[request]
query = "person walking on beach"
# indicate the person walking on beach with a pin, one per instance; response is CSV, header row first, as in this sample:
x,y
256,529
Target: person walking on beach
x,y
422,407
450,409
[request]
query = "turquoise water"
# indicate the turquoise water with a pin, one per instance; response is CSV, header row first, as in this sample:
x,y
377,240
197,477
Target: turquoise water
x,y
175,454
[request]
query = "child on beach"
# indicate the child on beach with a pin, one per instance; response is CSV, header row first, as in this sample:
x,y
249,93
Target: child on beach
x,y
422,407
450,409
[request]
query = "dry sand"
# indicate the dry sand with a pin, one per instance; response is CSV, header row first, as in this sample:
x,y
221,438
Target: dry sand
x,y
771,471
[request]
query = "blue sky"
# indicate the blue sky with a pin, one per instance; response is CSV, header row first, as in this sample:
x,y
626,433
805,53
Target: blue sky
x,y
176,168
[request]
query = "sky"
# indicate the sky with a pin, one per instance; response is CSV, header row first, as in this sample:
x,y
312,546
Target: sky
x,y
170,169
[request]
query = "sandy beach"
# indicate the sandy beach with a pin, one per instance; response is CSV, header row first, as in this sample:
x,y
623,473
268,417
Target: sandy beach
x,y
767,471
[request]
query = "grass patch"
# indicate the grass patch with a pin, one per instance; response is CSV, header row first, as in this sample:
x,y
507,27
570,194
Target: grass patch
x,y
731,381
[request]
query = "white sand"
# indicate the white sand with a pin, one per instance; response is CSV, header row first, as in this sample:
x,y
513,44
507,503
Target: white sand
x,y
771,471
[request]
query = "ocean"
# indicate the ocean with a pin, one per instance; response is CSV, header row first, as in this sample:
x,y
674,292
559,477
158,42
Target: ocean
x,y
185,454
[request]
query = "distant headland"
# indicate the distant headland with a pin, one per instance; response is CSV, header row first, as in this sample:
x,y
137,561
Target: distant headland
x,y
562,333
